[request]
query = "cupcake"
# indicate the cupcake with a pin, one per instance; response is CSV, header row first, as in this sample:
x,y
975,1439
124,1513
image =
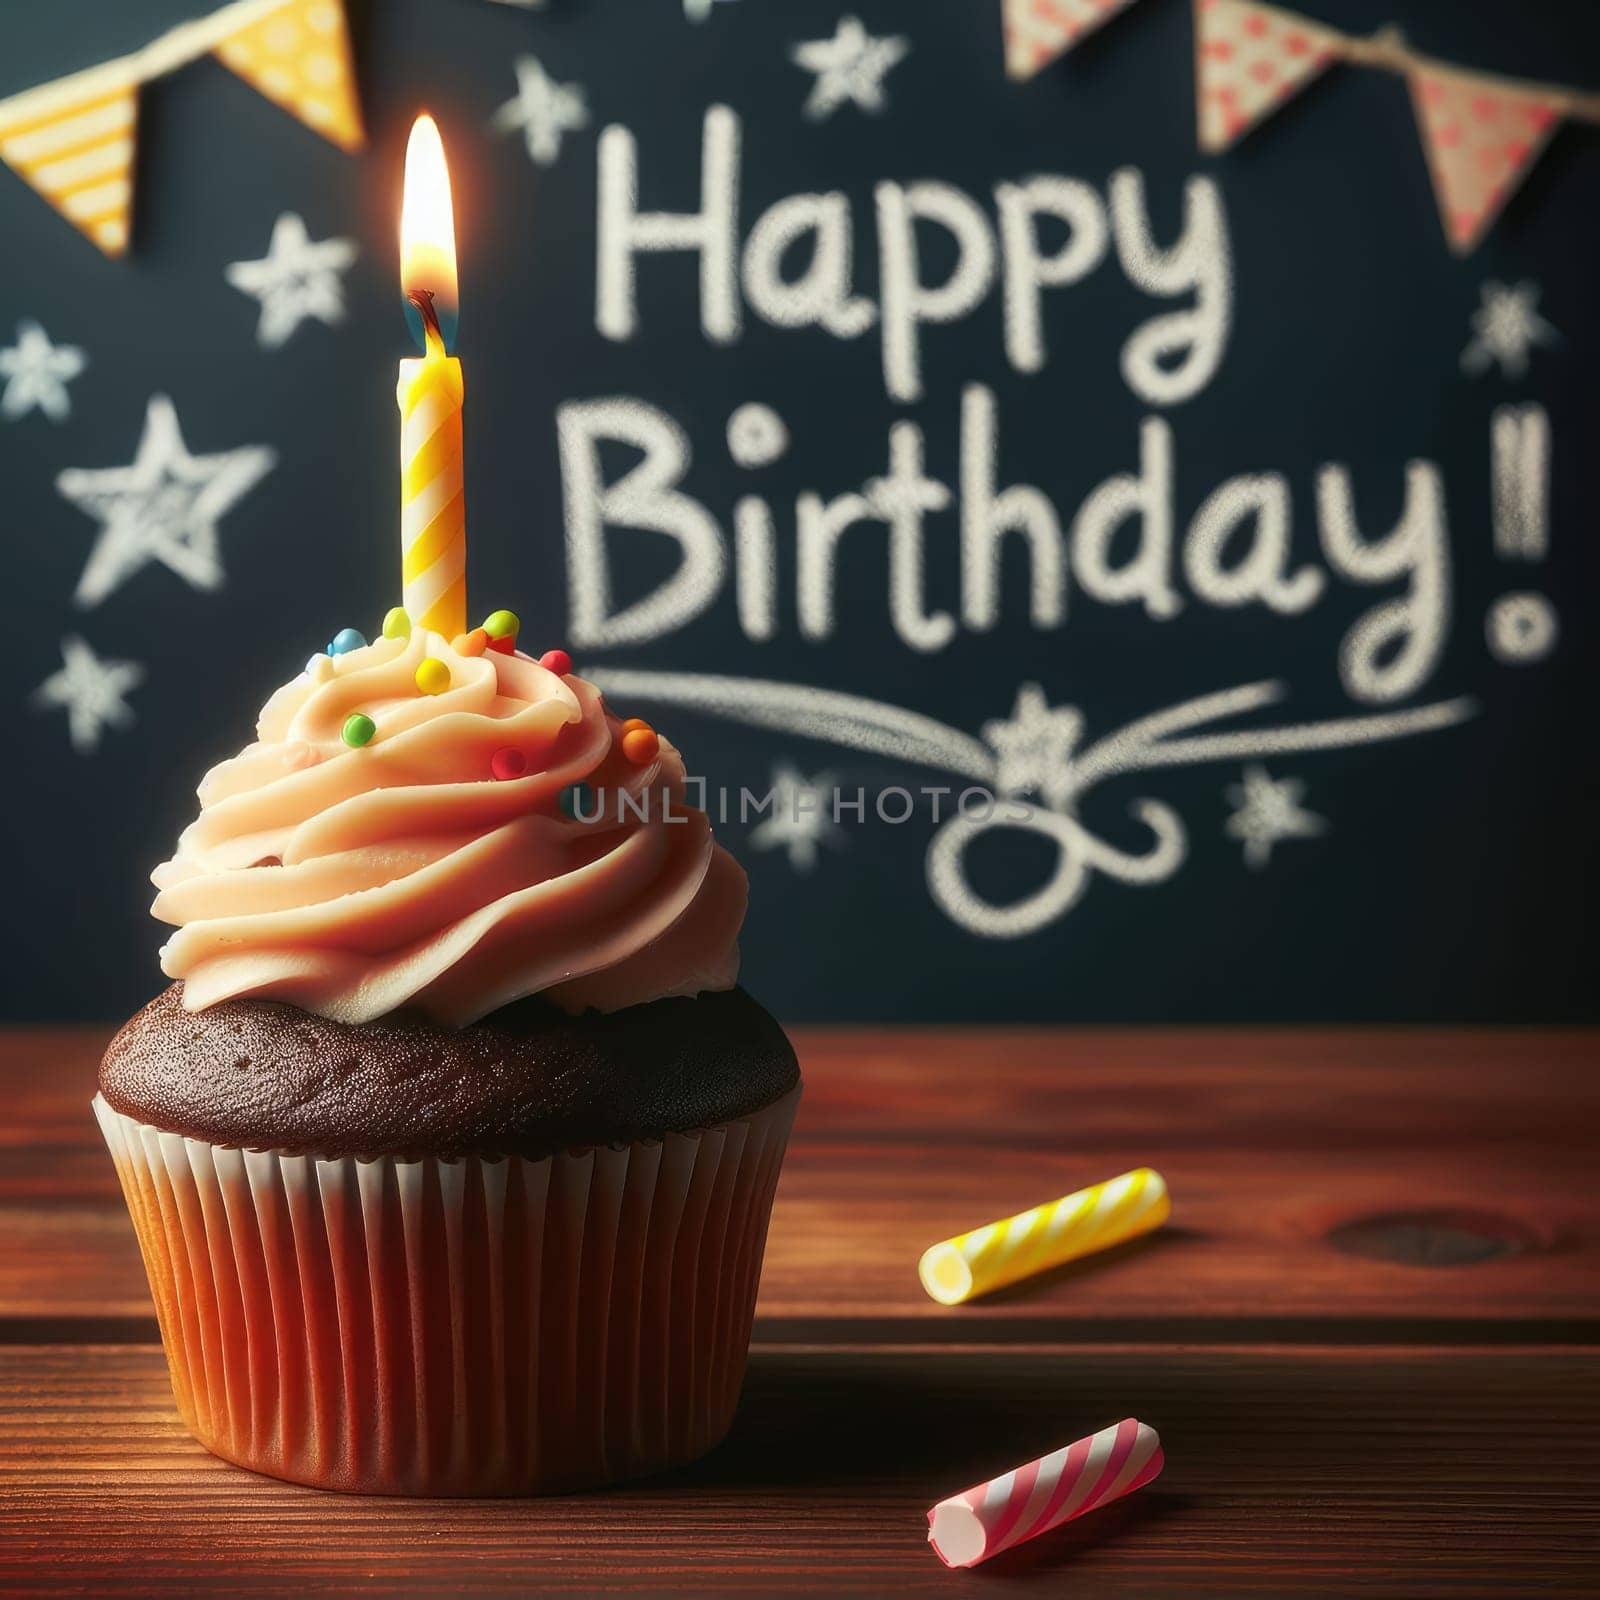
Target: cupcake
x,y
451,1147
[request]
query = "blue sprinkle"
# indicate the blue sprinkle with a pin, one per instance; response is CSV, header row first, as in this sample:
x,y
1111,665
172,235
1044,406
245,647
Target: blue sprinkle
x,y
346,639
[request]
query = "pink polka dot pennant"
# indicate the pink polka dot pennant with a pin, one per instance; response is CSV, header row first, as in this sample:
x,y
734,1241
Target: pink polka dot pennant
x,y
1249,60
1481,136
1038,31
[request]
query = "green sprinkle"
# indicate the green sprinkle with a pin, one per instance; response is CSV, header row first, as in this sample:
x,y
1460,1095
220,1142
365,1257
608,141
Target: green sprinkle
x,y
397,623
502,624
359,729
580,803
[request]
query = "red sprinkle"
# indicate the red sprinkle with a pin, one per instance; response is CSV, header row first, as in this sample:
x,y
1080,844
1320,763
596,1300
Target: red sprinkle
x,y
640,746
508,763
506,645
556,661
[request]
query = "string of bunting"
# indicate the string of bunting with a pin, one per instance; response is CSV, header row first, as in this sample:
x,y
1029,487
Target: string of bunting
x,y
1481,132
72,140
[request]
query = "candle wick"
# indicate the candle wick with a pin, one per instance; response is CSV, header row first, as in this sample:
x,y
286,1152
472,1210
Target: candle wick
x,y
422,299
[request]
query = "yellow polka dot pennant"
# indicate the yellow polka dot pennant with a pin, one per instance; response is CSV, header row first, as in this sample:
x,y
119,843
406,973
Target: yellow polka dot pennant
x,y
299,57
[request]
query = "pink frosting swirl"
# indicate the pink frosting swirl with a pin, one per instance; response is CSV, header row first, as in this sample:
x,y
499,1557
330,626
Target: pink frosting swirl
x,y
356,881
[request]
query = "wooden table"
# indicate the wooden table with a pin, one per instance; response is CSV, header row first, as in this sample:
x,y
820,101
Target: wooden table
x,y
1368,1339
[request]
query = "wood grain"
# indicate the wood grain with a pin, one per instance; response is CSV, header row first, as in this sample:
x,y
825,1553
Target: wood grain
x,y
1311,1473
1368,1339
1271,1140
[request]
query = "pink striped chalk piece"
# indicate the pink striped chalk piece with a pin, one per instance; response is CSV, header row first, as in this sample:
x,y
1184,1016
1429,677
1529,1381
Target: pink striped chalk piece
x,y
1021,1504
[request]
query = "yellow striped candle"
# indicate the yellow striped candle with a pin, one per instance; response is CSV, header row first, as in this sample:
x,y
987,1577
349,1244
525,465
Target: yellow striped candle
x,y
433,523
1076,1225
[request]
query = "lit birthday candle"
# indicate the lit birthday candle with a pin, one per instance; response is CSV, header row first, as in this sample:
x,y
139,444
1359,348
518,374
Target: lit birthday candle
x,y
433,525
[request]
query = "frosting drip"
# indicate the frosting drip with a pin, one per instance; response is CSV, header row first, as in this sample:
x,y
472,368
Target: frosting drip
x,y
356,881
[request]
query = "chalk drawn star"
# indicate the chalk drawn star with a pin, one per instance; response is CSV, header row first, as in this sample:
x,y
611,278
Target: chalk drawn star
x,y
543,109
850,68
165,507
297,278
1506,327
698,10
1267,811
91,691
801,818
1034,747
37,374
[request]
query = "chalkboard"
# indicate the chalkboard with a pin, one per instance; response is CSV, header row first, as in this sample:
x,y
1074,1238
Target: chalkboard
x,y
1274,482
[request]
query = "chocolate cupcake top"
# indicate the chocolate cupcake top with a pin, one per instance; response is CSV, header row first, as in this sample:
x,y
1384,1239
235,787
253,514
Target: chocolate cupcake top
x,y
529,1080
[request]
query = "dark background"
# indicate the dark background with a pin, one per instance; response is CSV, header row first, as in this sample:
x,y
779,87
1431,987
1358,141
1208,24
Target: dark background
x,y
1455,878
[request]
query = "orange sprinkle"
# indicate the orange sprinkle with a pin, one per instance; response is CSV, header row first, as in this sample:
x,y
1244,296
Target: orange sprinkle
x,y
640,745
470,644
635,722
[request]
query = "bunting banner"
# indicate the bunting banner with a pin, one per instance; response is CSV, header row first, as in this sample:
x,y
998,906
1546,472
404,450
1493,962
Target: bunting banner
x,y
1039,31
1249,60
73,140
1481,133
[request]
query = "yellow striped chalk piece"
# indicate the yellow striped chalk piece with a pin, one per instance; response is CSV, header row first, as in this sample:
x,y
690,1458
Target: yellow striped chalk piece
x,y
999,1253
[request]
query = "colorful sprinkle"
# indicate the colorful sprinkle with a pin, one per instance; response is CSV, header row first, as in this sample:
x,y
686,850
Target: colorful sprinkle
x,y
346,640
470,644
502,624
634,722
397,623
433,676
580,802
506,646
556,661
508,763
640,745
359,729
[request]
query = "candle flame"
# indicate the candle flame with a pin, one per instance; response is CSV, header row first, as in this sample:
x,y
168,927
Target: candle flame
x,y
427,226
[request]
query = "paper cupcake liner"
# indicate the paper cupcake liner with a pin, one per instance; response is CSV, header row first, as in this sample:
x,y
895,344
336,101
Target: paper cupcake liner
x,y
465,1327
